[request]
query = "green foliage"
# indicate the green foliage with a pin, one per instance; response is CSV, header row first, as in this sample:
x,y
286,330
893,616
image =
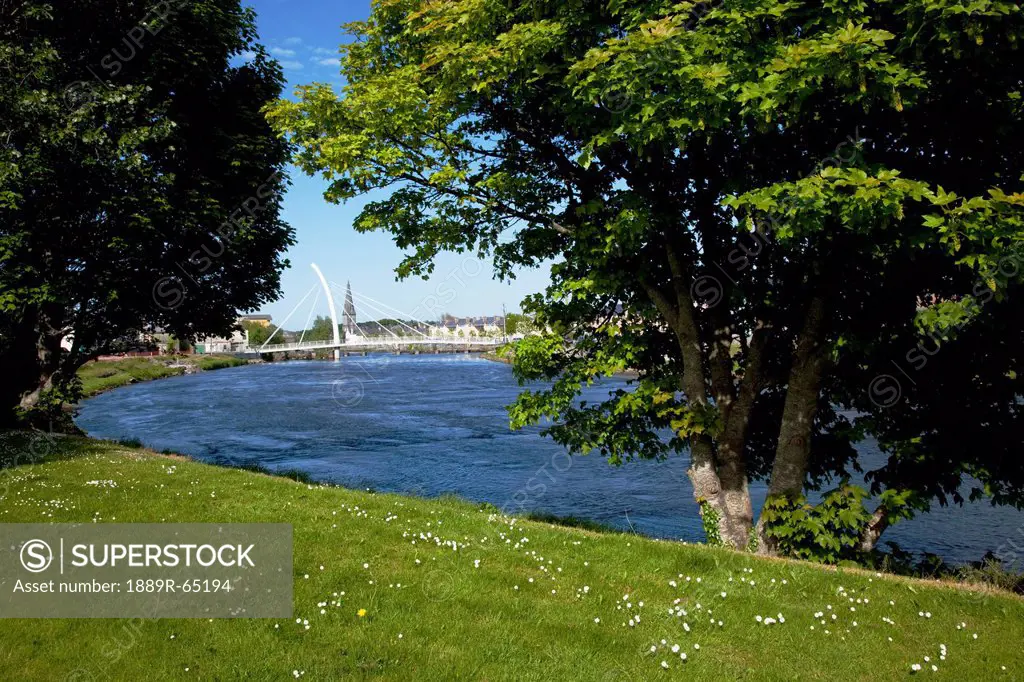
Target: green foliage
x,y
709,520
990,571
140,185
259,334
700,178
211,362
50,412
321,330
512,321
826,532
517,323
831,530
97,377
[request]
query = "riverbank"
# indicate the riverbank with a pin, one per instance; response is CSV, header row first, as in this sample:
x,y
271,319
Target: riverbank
x,y
335,422
100,376
494,357
507,359
512,600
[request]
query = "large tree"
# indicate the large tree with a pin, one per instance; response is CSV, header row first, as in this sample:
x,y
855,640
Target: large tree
x,y
759,205
258,334
321,330
140,183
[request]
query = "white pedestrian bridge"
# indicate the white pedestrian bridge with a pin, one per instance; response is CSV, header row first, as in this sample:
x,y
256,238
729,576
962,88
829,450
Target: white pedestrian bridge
x,y
364,343
411,338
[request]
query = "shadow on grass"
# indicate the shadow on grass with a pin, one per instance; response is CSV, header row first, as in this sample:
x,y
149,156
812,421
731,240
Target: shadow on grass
x,y
26,448
257,468
570,522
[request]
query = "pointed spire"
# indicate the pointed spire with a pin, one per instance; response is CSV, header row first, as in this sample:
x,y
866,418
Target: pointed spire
x,y
349,315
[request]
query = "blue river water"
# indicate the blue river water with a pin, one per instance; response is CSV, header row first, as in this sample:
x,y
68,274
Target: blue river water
x,y
434,424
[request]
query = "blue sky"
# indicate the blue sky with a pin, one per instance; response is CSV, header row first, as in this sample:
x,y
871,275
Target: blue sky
x,y
304,36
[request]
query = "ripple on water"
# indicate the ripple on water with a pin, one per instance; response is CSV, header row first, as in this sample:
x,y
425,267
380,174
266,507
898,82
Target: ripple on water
x,y
434,424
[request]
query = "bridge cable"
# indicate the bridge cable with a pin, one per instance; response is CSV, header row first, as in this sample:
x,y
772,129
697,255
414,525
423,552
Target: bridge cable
x,y
376,322
311,289
377,310
312,309
411,317
374,309
391,308
395,310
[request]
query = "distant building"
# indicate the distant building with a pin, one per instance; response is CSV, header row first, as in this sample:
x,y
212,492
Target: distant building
x,y
348,321
394,327
261,320
465,327
237,342
154,337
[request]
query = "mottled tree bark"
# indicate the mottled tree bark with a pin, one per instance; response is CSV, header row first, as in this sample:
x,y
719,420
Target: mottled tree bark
x,y
739,516
733,503
793,451
876,526
719,478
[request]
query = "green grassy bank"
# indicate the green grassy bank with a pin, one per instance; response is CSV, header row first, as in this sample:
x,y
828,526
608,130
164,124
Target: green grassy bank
x,y
98,377
453,591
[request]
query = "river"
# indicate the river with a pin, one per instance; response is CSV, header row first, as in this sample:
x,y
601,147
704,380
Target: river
x,y
434,424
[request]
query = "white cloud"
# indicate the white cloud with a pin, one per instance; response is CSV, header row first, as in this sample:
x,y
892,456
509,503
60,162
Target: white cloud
x,y
291,64
332,61
282,52
247,56
324,51
294,40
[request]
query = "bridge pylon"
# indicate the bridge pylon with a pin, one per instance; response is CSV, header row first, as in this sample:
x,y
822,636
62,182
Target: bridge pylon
x,y
334,313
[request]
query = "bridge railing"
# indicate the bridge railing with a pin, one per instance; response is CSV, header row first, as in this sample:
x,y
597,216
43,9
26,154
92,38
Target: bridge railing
x,y
305,345
418,341
363,342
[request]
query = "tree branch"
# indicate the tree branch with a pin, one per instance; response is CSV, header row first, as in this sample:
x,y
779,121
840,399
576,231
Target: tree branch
x,y
874,529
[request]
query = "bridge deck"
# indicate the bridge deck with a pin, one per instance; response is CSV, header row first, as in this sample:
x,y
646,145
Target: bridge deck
x,y
363,343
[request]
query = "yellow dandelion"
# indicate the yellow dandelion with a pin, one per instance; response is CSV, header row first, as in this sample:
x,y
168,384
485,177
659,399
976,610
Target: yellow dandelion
x,y
361,612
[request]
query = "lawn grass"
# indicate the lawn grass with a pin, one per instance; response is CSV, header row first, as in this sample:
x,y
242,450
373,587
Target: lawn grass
x,y
528,611
98,377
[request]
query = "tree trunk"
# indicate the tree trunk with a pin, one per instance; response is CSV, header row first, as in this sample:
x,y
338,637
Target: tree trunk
x,y
16,366
793,450
29,362
876,526
43,383
738,514
719,478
